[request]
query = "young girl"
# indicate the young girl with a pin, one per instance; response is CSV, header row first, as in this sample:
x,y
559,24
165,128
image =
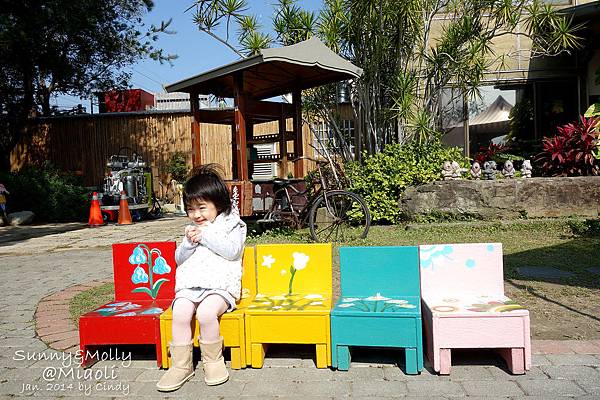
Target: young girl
x,y
208,278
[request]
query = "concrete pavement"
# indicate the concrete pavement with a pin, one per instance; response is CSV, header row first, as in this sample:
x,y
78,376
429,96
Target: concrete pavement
x,y
41,261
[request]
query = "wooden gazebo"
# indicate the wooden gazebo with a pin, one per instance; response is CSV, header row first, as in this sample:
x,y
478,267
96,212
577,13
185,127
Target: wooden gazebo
x,y
273,72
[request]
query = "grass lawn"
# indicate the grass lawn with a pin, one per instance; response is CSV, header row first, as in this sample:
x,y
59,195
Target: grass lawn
x,y
566,308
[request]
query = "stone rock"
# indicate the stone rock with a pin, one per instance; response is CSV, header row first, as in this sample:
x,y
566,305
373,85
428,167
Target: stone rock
x,y
507,198
20,218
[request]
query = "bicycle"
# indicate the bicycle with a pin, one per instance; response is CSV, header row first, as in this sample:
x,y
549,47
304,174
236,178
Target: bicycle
x,y
331,212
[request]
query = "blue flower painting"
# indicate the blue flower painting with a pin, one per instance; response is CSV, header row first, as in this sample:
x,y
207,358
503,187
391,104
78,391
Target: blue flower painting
x,y
430,253
146,268
138,256
139,276
161,266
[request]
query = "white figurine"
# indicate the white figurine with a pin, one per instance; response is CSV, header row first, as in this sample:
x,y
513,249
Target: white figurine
x,y
447,171
489,170
526,169
457,171
509,170
475,171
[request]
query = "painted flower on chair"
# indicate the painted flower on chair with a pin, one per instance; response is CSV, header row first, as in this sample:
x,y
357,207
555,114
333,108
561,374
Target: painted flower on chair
x,y
299,263
374,303
496,306
429,254
161,266
138,256
139,276
146,268
268,260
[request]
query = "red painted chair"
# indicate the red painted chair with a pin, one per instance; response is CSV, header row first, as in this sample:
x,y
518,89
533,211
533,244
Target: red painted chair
x,y
144,275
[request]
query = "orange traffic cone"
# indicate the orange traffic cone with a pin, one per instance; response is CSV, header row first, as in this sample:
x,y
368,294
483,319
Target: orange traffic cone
x,y
95,213
124,214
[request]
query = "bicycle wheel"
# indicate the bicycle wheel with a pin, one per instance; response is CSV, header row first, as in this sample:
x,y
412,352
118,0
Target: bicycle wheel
x,y
339,216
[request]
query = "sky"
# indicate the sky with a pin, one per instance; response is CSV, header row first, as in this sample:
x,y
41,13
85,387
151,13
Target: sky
x,y
197,52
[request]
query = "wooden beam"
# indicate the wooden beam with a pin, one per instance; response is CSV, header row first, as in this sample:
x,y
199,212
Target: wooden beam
x,y
298,150
196,149
240,127
267,109
224,117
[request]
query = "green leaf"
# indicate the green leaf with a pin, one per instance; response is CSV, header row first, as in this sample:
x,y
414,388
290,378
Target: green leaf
x,y
143,290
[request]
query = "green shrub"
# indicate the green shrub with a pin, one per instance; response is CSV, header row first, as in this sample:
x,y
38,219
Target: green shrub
x,y
50,194
177,167
382,177
587,228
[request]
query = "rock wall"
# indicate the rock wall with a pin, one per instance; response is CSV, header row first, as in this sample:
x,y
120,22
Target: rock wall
x,y
509,198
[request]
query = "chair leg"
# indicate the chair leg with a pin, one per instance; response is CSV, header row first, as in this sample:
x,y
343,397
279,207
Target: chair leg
x,y
343,357
159,362
321,350
445,361
515,359
236,358
411,361
258,351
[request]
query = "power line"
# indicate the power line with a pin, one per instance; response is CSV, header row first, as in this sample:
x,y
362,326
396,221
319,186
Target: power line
x,y
152,73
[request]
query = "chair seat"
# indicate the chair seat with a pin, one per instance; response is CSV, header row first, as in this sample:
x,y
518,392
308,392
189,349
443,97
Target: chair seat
x,y
131,308
122,322
474,306
381,306
286,303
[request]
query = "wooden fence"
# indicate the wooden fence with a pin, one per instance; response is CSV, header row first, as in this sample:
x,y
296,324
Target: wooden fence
x,y
82,144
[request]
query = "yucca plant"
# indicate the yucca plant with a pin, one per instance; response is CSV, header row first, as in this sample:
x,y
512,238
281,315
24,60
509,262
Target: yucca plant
x,y
571,152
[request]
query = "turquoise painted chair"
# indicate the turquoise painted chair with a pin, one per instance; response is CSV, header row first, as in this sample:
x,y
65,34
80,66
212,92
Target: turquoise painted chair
x,y
380,304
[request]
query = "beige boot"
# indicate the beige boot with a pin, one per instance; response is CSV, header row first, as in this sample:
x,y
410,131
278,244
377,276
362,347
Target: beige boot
x,y
213,362
181,369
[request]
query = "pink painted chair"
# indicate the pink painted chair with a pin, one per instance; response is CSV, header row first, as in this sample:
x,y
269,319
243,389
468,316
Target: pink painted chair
x,y
462,290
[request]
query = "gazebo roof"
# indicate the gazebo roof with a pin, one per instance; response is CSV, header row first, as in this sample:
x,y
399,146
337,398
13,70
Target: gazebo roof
x,y
274,72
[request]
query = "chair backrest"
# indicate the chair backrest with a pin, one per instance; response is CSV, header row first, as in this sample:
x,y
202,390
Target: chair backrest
x,y
248,273
390,271
296,268
467,268
144,271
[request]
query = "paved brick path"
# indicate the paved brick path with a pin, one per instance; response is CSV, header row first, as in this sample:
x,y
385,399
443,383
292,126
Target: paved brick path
x,y
57,265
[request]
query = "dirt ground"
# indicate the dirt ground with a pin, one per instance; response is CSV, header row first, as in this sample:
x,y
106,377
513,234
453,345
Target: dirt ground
x,y
558,311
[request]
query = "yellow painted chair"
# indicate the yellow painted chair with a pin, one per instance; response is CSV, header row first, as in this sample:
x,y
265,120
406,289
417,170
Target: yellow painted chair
x,y
231,324
293,301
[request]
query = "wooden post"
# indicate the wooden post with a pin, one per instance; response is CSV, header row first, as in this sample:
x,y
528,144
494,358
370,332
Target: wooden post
x,y
249,135
283,144
298,151
240,126
234,154
467,150
196,149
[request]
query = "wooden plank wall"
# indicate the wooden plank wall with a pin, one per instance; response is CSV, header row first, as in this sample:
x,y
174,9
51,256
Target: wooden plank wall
x,y
82,144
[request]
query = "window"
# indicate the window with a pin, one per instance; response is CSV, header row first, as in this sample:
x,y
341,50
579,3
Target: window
x,y
264,171
324,138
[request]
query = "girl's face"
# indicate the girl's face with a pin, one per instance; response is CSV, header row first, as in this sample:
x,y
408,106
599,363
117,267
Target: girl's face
x,y
202,212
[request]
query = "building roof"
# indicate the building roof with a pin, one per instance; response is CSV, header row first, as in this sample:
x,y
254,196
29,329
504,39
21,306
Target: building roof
x,y
274,72
496,112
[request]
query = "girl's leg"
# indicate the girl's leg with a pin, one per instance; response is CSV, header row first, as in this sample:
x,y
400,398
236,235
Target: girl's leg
x,y
208,313
183,314
181,347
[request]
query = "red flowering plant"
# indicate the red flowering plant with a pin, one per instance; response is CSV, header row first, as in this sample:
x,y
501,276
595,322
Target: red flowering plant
x,y
491,152
571,152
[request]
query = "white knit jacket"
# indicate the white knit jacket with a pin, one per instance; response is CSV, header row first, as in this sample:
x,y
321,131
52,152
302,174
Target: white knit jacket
x,y
216,262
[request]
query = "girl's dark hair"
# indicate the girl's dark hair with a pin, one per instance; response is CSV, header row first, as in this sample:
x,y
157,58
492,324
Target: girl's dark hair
x,y
206,183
